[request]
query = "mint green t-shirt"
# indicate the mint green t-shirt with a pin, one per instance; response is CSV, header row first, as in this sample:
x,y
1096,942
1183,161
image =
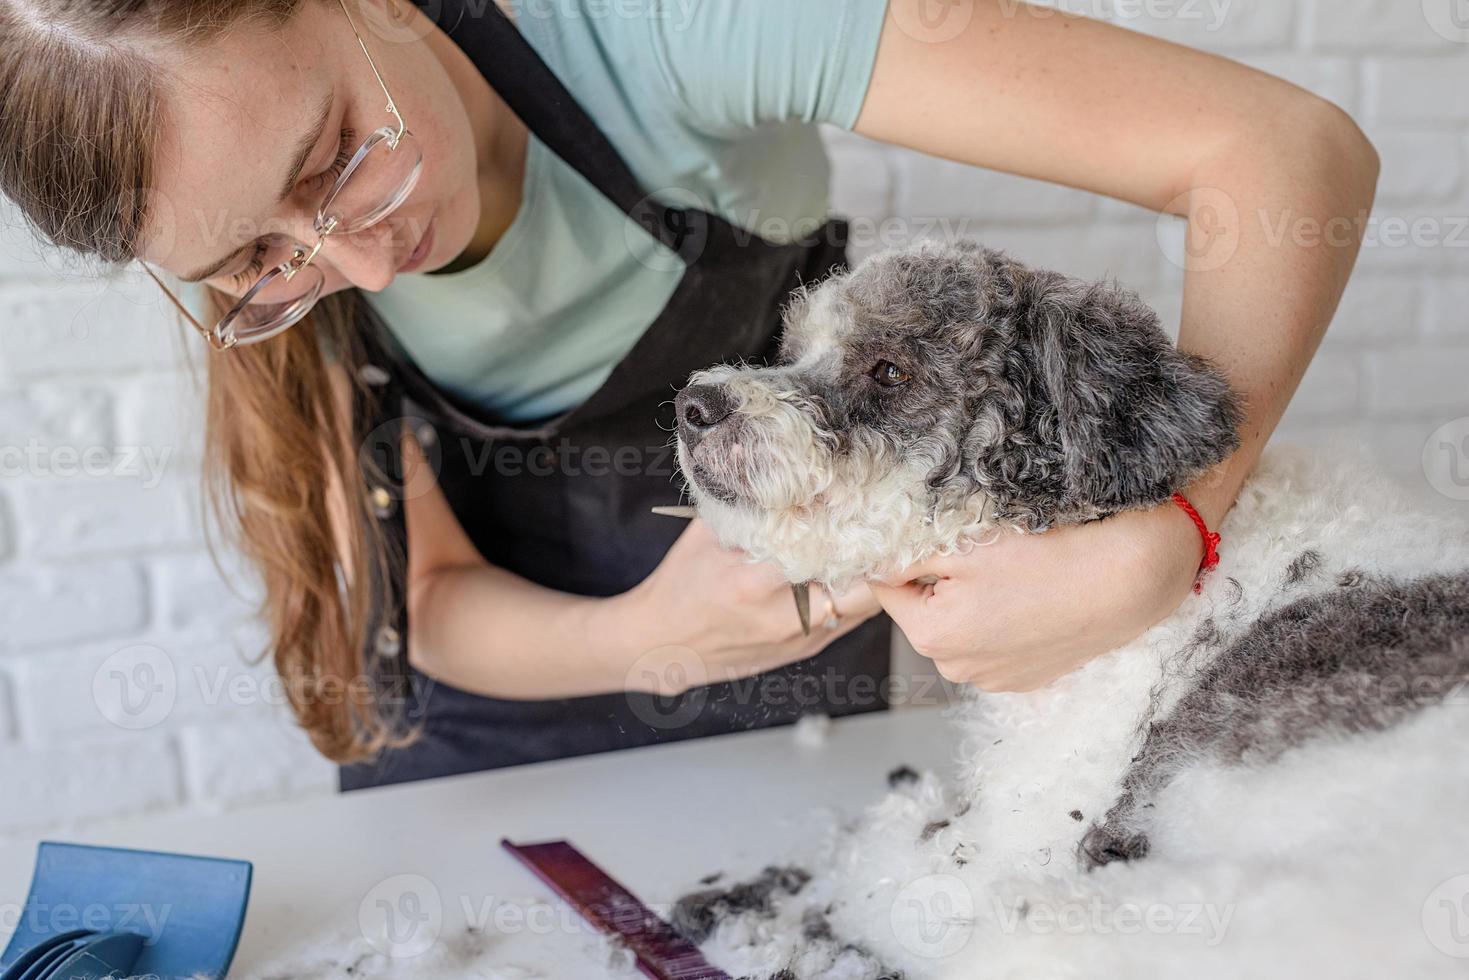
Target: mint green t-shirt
x,y
713,104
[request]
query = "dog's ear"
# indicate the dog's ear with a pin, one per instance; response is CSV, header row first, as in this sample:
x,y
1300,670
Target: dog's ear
x,y
1082,405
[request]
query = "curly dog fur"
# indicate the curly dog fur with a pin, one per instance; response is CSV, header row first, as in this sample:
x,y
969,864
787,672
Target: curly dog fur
x,y
1272,781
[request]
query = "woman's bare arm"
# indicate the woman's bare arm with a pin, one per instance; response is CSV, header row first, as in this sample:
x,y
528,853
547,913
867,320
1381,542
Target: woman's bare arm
x,y
1276,185
521,627
704,615
1033,92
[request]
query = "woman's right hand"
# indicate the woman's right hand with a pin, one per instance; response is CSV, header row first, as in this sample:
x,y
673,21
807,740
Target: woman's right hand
x,y
709,614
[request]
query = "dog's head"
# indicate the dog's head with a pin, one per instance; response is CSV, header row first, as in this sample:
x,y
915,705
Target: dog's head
x,y
937,391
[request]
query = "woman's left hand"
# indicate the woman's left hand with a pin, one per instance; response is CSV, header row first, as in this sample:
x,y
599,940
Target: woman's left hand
x,y
1020,612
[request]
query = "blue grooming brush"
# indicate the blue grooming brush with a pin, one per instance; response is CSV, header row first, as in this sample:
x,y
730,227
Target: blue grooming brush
x,y
172,916
99,956
50,956
43,950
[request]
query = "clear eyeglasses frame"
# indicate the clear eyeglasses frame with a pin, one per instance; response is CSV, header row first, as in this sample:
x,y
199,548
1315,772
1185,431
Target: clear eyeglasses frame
x,y
386,167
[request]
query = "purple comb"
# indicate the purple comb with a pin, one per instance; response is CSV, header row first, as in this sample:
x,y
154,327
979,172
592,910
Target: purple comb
x,y
662,953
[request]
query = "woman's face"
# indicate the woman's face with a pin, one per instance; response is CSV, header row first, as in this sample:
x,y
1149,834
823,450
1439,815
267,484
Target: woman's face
x,y
241,112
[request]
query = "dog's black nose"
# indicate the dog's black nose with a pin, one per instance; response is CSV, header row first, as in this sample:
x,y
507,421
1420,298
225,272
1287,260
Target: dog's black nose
x,y
700,408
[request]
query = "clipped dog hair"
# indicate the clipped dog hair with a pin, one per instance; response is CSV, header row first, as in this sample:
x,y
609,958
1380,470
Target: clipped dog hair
x,y
1286,745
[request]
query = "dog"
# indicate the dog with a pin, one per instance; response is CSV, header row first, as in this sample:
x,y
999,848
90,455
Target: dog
x,y
1273,781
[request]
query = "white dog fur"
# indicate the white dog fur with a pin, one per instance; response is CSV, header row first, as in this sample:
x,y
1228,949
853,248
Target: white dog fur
x,y
1343,852
1345,857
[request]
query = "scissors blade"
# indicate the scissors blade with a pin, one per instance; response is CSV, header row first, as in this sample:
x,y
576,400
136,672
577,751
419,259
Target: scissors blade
x,y
801,591
687,513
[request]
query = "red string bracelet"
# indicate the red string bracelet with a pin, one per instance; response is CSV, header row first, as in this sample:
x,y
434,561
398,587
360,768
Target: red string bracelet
x,y
1211,540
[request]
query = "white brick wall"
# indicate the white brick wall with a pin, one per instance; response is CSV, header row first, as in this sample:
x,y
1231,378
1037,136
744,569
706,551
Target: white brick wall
x,y
123,684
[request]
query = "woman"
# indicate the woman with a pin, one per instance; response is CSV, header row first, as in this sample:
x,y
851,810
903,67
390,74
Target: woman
x,y
526,226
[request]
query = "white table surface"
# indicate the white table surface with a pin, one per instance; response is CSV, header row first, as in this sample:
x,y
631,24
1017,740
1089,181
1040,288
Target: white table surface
x,y
656,819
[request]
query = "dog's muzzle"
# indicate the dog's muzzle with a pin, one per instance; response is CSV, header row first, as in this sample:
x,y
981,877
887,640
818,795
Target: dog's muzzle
x,y
701,409
708,431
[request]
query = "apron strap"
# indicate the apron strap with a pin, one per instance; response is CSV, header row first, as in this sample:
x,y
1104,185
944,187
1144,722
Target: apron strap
x,y
527,84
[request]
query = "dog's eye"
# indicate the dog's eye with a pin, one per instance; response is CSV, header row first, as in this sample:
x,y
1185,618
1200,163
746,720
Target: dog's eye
x,y
888,374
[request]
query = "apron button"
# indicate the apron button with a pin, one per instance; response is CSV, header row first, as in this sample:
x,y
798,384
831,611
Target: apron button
x,y
371,374
388,644
382,502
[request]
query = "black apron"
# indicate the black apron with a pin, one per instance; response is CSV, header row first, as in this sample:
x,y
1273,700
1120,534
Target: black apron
x,y
565,503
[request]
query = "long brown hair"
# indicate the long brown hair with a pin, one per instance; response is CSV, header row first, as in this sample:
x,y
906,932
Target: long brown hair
x,y
80,108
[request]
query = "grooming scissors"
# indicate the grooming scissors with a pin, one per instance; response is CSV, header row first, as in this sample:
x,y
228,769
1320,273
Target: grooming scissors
x,y
800,591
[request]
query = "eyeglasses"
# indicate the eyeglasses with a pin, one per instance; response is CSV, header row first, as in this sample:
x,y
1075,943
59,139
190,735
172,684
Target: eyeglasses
x,y
374,182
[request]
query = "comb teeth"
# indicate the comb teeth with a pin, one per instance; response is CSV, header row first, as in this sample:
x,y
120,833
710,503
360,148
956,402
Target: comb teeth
x,y
662,954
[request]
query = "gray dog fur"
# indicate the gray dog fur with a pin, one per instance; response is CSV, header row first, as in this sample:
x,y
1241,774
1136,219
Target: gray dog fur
x,y
943,391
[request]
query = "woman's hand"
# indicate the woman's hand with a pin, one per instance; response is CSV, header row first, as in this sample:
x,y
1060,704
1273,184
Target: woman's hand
x,y
1020,612
708,614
